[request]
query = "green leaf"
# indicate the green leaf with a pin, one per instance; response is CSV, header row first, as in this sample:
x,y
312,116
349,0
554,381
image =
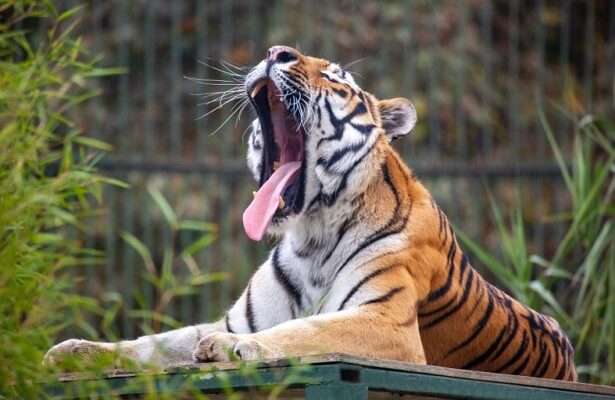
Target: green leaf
x,y
197,226
164,206
200,244
548,297
94,143
203,279
70,12
141,249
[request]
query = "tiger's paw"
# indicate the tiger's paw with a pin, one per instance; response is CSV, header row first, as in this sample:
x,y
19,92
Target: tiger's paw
x,y
219,346
81,351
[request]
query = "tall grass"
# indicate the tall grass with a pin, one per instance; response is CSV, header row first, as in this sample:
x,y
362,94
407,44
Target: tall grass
x,y
576,283
47,183
48,186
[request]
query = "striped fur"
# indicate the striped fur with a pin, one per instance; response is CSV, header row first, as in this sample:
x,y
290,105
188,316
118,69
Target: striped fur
x,y
370,265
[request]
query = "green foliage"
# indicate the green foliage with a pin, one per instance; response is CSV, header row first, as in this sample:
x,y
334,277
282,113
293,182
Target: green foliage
x,y
577,283
47,184
168,278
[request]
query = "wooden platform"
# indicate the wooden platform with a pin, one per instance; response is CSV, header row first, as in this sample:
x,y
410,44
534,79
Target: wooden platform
x,y
332,376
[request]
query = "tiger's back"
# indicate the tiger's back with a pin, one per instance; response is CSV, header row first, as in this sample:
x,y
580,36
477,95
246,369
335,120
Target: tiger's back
x,y
464,321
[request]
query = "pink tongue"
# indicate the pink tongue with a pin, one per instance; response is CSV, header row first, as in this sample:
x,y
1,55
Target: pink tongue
x,y
258,215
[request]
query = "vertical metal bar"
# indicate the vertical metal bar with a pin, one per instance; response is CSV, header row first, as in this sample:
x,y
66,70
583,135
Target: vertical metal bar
x,y
461,78
184,239
513,77
176,78
127,266
539,200
95,110
110,245
328,32
383,56
611,22
460,114
204,258
487,32
563,120
121,21
255,29
589,53
434,129
409,72
150,77
150,136
226,19
309,21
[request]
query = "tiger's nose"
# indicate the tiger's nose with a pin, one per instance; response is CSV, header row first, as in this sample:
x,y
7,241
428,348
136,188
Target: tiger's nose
x,y
281,54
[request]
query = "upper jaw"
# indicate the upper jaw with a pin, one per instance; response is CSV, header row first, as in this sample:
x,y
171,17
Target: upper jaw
x,y
256,75
282,141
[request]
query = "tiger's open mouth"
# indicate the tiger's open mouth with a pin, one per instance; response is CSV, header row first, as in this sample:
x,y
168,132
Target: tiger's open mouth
x,y
282,172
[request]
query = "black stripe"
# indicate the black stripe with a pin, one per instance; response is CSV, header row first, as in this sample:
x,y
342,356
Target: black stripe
x,y
441,291
362,282
340,92
450,302
249,310
483,357
348,223
540,361
228,324
562,370
393,226
446,225
439,309
511,336
385,297
522,349
556,350
479,327
546,366
329,199
363,128
338,155
283,279
466,293
480,293
522,366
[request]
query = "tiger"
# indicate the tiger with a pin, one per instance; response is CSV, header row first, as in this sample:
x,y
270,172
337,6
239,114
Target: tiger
x,y
366,263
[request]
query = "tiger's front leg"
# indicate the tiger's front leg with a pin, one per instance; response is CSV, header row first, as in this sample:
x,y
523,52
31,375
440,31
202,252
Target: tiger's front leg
x,y
170,347
381,323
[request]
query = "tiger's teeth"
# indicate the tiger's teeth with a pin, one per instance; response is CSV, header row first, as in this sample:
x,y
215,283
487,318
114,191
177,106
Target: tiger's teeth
x,y
253,194
281,203
257,88
276,165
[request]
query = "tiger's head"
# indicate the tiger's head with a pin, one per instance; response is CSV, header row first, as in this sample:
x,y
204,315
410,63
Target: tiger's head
x,y
312,145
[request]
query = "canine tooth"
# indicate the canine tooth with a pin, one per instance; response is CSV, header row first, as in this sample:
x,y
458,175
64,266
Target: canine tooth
x,y
253,194
281,203
257,88
276,165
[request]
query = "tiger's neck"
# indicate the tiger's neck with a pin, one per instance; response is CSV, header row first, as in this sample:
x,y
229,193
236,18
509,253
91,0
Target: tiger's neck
x,y
372,214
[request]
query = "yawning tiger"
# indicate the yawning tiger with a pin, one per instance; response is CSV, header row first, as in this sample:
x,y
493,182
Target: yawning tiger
x,y
367,263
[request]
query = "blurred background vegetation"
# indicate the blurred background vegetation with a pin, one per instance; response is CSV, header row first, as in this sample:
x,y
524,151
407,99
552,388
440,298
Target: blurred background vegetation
x,y
509,95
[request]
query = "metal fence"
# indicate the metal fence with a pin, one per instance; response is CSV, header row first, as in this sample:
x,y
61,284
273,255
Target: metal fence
x,y
477,71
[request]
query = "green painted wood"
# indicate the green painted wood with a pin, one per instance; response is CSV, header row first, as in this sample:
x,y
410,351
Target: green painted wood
x,y
328,377
455,388
336,390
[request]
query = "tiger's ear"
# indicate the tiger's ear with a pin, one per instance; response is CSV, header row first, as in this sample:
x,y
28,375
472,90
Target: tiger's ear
x,y
398,117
